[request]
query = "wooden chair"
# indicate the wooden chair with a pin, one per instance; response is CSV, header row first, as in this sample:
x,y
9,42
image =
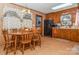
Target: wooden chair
x,y
36,39
8,41
27,38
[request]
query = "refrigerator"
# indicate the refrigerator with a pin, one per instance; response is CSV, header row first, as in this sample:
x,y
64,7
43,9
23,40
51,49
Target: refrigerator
x,y
48,27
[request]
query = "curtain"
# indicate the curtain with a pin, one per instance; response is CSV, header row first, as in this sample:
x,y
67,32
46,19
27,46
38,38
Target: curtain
x,y
77,18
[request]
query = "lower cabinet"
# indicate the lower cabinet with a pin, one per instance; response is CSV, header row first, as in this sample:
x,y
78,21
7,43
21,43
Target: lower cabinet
x,y
69,34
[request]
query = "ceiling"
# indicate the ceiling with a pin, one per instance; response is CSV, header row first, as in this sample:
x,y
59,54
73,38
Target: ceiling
x,y
45,7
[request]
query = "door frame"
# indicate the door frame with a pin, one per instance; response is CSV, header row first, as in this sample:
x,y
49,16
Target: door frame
x,y
40,24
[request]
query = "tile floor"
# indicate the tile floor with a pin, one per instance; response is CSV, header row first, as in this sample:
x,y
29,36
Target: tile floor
x,y
50,46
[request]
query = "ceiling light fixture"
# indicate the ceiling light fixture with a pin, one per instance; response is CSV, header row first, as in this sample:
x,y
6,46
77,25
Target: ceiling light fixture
x,y
61,6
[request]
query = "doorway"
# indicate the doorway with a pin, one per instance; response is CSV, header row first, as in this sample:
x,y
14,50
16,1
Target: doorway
x,y
39,23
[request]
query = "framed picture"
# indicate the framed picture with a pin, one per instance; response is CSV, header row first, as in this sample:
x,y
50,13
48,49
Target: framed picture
x,y
38,20
11,14
27,16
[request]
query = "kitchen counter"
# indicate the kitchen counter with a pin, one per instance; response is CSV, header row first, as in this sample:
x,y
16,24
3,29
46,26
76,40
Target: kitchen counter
x,y
66,33
65,27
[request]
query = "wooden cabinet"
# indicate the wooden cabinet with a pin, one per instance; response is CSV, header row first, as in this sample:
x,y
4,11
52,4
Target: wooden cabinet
x,y
56,33
69,34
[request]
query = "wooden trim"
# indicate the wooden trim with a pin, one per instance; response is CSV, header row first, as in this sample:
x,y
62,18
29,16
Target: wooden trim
x,y
41,22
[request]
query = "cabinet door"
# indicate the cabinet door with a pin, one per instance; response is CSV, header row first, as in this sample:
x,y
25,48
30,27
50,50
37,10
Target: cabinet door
x,y
68,34
63,33
55,33
73,34
77,35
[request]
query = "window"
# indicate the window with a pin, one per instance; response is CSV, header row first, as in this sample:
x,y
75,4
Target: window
x,y
38,21
66,20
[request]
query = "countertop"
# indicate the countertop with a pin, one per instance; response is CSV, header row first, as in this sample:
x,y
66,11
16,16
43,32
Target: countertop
x,y
62,27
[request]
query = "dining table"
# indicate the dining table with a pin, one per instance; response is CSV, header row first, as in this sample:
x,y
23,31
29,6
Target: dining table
x,y
15,34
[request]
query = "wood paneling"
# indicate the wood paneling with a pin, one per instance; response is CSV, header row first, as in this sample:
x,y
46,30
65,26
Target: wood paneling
x,y
56,15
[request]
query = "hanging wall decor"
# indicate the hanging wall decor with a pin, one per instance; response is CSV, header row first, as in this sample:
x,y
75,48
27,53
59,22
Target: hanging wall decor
x,y
27,16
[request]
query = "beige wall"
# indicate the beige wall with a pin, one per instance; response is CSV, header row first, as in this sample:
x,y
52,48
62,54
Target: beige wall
x,y
1,9
34,13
